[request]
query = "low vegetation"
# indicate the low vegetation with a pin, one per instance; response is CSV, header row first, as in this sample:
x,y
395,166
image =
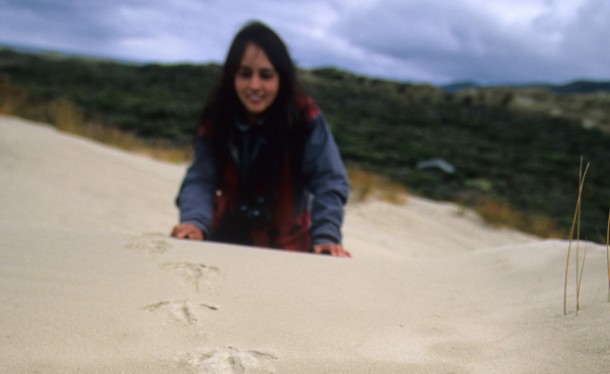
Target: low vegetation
x,y
515,151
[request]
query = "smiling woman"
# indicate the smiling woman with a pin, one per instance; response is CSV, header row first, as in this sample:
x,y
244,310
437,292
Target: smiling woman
x,y
266,169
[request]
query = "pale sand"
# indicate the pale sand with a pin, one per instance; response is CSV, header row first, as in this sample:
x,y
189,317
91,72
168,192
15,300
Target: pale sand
x,y
91,283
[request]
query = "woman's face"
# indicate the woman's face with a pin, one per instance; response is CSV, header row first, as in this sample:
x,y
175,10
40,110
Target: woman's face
x,y
256,82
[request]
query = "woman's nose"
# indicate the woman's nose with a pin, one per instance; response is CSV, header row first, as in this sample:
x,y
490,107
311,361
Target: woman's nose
x,y
255,81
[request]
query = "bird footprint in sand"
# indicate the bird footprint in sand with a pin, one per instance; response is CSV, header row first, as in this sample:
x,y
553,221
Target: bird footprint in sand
x,y
153,243
182,311
229,360
194,273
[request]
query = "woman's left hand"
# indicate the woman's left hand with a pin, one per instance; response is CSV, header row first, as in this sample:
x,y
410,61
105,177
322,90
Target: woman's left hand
x,y
333,249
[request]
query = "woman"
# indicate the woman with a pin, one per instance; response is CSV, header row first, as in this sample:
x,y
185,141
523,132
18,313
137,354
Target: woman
x,y
266,170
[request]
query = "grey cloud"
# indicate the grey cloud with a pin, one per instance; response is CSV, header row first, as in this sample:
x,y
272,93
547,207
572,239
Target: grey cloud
x,y
69,25
586,39
456,40
449,38
418,40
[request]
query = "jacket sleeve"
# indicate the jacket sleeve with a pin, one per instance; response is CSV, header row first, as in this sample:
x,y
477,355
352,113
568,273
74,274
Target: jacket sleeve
x,y
196,197
326,180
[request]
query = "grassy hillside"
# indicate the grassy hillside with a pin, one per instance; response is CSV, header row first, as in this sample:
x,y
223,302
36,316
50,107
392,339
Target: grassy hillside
x,y
516,150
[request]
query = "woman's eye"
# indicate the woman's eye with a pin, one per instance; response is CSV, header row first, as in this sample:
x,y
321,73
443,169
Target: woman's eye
x,y
267,74
244,73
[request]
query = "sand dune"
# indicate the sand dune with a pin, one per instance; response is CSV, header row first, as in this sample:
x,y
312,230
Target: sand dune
x,y
91,283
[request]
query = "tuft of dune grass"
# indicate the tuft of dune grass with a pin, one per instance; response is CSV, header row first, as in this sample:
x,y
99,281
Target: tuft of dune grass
x,y
498,213
365,184
13,98
128,141
66,116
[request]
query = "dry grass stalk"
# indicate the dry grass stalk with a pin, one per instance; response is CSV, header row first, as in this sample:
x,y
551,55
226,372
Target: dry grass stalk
x,y
579,278
577,268
608,253
575,220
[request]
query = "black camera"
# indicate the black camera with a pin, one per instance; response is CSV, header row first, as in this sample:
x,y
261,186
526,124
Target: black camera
x,y
257,213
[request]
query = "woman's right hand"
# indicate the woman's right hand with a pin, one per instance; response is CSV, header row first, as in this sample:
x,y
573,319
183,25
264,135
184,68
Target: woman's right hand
x,y
187,231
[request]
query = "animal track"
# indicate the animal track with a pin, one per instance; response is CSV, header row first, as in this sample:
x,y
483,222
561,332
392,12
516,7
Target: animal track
x,y
229,360
193,273
182,311
151,243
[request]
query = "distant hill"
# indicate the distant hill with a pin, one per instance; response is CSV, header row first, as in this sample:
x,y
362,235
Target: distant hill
x,y
576,87
515,151
581,87
35,50
459,86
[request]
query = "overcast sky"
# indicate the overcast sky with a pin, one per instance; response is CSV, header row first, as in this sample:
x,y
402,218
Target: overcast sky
x,y
437,41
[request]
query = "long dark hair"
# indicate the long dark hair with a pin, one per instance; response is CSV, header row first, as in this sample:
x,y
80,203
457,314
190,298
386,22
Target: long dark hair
x,y
285,124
